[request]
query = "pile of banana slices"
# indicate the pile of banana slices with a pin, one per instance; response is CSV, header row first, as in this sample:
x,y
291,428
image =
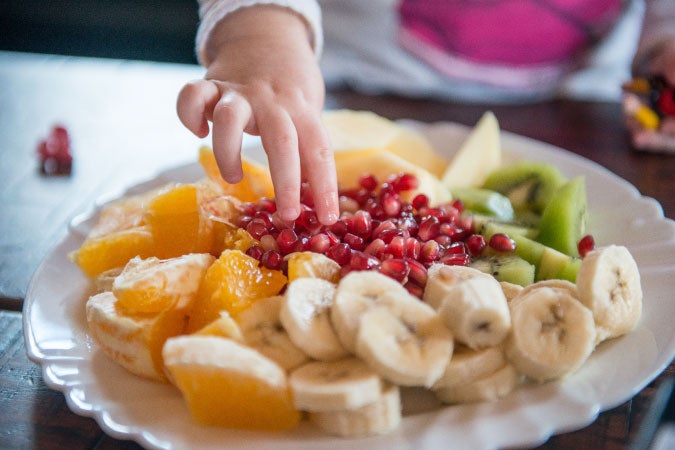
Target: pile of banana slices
x,y
349,347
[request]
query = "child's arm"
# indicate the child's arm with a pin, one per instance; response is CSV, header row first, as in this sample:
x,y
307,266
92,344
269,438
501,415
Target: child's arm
x,y
263,78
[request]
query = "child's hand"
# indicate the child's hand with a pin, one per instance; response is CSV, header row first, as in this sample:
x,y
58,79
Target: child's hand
x,y
264,79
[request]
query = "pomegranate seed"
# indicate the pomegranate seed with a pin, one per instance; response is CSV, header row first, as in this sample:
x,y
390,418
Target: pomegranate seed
x,y
375,209
257,228
391,206
502,243
395,268
388,188
444,240
309,221
585,245
408,223
376,248
344,270
272,260
319,243
388,235
397,247
429,228
451,230
267,205
248,208
418,273
368,182
348,204
459,205
340,253
306,195
430,252
406,182
363,261
412,248
363,223
383,226
448,213
420,201
339,228
266,217
303,243
332,238
354,241
466,224
255,251
54,152
456,259
475,244
414,289
287,241
269,243
244,221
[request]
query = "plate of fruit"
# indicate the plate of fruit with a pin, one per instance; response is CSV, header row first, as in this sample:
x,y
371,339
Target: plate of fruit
x,y
480,288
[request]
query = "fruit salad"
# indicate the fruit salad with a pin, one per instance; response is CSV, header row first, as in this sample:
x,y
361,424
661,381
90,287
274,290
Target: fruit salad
x,y
464,278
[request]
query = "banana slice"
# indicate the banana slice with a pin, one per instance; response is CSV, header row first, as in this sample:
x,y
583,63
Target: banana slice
x,y
345,384
609,285
405,343
552,336
467,365
488,388
510,290
305,314
476,312
441,278
356,293
261,328
561,285
379,417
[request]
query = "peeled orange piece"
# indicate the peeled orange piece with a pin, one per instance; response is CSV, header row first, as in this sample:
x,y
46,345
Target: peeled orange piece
x,y
113,250
177,225
312,265
134,342
152,285
232,283
256,183
227,384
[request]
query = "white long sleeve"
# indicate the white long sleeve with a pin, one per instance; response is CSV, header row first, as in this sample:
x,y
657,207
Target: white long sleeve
x,y
213,11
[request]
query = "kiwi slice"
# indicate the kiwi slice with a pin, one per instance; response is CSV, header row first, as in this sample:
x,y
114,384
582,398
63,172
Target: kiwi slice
x,y
563,221
511,268
556,265
529,185
485,201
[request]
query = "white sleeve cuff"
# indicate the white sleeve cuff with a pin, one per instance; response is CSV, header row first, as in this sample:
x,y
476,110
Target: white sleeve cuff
x,y
213,11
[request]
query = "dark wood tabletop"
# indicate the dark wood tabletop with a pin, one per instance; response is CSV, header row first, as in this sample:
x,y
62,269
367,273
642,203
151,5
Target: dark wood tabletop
x,y
121,117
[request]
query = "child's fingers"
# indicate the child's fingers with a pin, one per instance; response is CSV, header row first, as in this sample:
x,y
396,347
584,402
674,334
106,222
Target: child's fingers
x,y
318,165
195,105
280,140
231,116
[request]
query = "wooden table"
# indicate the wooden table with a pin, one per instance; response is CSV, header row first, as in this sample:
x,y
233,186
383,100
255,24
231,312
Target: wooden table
x,y
124,129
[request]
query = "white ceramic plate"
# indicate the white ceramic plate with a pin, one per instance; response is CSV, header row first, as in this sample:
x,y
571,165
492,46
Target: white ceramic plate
x,y
154,414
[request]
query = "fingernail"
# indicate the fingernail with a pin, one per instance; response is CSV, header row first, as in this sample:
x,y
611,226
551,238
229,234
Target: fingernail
x,y
288,214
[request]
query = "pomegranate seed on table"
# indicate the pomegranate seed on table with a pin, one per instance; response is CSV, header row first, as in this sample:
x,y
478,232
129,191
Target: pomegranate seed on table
x,y
54,152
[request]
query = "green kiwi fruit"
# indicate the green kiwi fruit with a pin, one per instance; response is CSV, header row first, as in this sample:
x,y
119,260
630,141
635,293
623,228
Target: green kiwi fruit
x,y
511,268
563,221
484,201
529,185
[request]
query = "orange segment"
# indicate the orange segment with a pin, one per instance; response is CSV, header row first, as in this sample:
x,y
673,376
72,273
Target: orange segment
x,y
134,341
256,183
233,283
152,285
227,384
98,254
176,223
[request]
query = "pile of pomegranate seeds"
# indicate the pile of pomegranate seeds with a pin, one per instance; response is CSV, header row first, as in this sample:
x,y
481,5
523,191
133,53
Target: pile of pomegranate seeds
x,y
54,152
377,230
